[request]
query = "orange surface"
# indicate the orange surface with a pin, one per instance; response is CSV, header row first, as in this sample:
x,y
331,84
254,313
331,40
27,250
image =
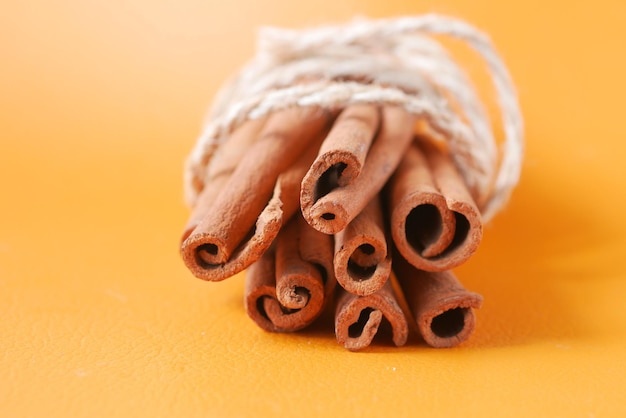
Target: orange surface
x,y
101,101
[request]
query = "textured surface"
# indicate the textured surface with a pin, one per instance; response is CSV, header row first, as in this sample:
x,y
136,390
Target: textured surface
x,y
99,317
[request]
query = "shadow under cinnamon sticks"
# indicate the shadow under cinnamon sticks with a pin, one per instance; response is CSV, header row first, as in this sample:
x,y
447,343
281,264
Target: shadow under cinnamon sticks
x,y
524,286
434,221
241,213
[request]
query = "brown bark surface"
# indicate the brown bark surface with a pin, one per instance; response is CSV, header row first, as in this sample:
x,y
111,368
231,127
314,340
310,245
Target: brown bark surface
x,y
343,153
442,308
435,223
332,212
358,318
362,261
239,224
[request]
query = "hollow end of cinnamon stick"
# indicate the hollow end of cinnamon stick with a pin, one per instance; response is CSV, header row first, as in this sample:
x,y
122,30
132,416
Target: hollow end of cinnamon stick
x,y
209,250
362,262
199,248
434,221
236,209
342,154
204,251
361,265
441,307
299,291
452,326
327,173
332,212
264,308
328,216
361,277
362,332
288,288
260,286
358,318
299,283
428,228
422,228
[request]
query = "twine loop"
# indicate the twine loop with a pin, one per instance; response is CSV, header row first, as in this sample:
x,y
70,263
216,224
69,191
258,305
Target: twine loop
x,y
388,61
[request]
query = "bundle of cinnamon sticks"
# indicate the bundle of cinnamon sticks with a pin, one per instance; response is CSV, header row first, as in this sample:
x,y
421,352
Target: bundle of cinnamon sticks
x,y
358,210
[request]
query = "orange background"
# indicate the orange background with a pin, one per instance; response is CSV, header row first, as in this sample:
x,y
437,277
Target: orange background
x,y
101,101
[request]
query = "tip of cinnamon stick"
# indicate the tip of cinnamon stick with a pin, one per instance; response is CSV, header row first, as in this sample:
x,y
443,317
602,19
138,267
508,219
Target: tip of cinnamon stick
x,y
327,216
362,332
453,325
296,297
202,251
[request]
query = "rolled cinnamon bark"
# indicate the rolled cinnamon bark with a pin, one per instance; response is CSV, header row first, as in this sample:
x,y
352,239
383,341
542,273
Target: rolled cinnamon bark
x,y
357,318
242,201
362,262
342,154
442,308
260,290
304,270
288,183
283,204
265,231
332,212
221,168
287,289
435,223
469,228
204,202
317,249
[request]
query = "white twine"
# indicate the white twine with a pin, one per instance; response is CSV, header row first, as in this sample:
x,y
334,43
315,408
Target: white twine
x,y
390,61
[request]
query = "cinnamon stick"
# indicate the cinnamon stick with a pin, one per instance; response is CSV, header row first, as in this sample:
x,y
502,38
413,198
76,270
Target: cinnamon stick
x,y
358,318
304,269
204,202
283,204
362,262
243,198
222,166
342,154
435,223
287,289
260,291
469,229
266,229
317,249
332,212
288,183
442,308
